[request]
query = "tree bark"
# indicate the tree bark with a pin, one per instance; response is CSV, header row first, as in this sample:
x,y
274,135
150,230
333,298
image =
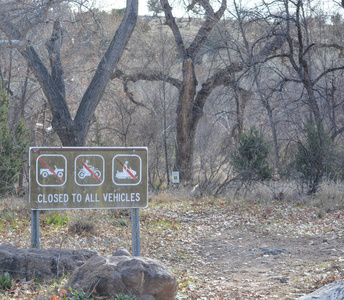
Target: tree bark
x,y
186,123
190,108
71,132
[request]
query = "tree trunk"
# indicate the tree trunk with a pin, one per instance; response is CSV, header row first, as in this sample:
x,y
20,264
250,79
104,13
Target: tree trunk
x,y
186,123
72,132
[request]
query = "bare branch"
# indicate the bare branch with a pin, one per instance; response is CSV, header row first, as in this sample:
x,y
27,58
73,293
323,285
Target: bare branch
x,y
10,43
55,99
54,48
203,33
338,132
171,22
149,76
106,66
221,77
324,45
326,72
269,48
131,96
17,19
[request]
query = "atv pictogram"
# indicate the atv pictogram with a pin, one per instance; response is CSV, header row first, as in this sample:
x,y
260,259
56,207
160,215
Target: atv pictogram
x,y
47,172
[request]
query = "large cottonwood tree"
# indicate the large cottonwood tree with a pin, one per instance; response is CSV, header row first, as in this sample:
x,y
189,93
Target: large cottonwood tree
x,y
192,93
17,21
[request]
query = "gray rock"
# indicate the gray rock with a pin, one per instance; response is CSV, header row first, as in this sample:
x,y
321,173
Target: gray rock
x,y
266,251
146,278
121,252
281,279
332,291
43,264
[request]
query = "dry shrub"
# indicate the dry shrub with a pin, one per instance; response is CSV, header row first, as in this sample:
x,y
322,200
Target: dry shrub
x,y
259,191
81,224
273,190
14,207
174,194
13,202
330,195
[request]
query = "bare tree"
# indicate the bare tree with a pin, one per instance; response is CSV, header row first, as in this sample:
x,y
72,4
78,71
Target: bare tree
x,y
304,44
193,94
307,66
17,20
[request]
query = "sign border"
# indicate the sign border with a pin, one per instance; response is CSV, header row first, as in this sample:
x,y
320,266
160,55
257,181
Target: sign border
x,y
66,148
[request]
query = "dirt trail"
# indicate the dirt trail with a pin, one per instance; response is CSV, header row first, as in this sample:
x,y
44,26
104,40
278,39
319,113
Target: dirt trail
x,y
254,262
251,266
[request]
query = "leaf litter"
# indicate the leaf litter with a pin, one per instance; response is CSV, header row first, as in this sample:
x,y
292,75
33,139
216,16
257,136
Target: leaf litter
x,y
217,248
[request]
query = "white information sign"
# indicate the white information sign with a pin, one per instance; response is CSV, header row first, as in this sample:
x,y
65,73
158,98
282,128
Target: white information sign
x,y
175,177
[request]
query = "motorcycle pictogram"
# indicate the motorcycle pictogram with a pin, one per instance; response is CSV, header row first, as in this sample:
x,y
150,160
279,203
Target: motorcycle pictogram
x,y
85,173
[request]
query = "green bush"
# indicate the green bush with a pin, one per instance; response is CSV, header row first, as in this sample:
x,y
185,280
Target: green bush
x,y
249,159
154,6
315,155
5,281
13,147
57,219
119,11
76,295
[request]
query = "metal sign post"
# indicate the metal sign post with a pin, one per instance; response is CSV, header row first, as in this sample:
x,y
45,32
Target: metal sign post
x,y
135,231
88,178
35,229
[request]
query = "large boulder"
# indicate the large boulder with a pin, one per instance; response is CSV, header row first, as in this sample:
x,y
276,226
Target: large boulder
x,y
43,264
332,291
112,275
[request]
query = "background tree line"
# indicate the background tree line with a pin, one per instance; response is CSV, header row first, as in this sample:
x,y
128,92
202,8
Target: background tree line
x,y
228,94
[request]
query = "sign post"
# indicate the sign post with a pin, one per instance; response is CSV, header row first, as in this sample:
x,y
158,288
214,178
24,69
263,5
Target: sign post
x,y
35,229
88,178
135,231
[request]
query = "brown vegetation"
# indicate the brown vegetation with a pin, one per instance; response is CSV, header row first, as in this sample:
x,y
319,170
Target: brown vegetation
x,y
278,72
219,248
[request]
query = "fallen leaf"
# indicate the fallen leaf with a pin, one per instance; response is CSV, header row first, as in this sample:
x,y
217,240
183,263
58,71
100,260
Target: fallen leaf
x,y
63,293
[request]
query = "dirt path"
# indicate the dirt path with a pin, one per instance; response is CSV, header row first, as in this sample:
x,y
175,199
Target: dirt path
x,y
245,265
255,261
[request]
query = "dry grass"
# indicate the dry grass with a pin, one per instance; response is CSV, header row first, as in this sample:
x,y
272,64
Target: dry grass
x,y
79,224
330,196
174,225
14,203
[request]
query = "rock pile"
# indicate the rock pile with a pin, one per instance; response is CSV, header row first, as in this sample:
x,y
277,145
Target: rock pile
x,y
107,276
